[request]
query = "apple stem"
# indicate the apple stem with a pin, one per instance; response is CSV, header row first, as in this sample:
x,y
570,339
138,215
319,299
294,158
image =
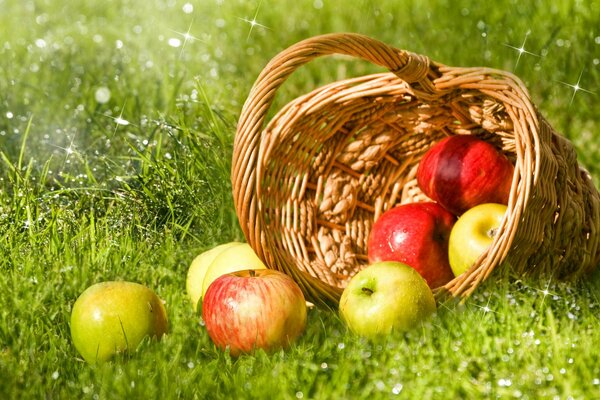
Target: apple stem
x,y
493,232
367,291
252,273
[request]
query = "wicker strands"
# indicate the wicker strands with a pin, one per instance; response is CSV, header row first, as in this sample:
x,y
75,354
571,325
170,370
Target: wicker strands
x,y
309,183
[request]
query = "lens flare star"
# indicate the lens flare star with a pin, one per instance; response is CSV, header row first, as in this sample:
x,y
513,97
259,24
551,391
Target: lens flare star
x,y
576,87
253,22
119,120
521,50
187,37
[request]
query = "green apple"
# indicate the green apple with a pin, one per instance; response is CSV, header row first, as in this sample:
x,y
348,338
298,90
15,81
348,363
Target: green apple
x,y
472,234
232,259
385,297
197,270
114,317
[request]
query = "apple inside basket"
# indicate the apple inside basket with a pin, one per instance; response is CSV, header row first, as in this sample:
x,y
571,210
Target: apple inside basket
x,y
309,184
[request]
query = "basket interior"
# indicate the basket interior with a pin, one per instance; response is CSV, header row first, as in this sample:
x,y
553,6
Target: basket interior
x,y
333,160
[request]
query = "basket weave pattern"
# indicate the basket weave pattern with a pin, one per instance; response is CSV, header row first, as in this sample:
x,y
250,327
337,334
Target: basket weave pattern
x,y
309,183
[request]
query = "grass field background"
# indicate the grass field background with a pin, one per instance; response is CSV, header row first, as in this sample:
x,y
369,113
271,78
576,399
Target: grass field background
x,y
116,127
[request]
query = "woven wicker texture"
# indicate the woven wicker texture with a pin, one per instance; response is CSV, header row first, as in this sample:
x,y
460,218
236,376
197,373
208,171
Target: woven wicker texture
x,y
309,183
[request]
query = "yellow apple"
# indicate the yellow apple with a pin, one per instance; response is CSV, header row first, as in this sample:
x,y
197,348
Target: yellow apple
x,y
472,234
198,268
232,259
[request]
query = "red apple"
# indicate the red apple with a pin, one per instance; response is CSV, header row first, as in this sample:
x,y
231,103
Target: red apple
x,y
460,172
252,309
415,234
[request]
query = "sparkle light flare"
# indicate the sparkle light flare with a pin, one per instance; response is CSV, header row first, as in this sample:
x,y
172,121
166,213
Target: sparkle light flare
x,y
119,120
576,87
187,37
253,22
521,50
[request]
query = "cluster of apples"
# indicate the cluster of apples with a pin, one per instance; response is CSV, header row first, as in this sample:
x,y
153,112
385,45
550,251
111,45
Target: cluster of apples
x,y
469,182
245,306
412,249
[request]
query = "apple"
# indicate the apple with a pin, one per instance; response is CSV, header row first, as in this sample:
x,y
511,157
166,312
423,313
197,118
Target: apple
x,y
114,317
254,309
197,271
386,297
415,234
234,258
462,171
472,234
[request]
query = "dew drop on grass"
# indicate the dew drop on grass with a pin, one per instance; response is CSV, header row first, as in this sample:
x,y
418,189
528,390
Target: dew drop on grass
x,y
174,42
102,95
188,8
504,382
397,389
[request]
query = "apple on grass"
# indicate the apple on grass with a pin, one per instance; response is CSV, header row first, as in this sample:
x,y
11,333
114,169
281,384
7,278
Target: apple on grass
x,y
234,258
198,268
472,234
415,234
386,297
114,317
254,309
462,171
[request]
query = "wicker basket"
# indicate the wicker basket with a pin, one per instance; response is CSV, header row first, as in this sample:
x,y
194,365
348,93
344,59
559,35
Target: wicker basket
x,y
309,184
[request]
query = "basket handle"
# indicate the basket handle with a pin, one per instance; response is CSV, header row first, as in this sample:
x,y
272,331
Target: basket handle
x,y
410,67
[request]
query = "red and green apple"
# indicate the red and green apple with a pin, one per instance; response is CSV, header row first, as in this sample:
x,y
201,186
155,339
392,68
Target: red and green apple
x,y
415,234
254,309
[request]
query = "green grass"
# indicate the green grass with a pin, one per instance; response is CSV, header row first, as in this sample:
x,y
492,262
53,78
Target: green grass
x,y
84,199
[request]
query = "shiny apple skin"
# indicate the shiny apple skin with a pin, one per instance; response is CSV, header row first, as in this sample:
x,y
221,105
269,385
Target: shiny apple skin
x,y
415,234
462,171
386,297
115,316
472,234
254,309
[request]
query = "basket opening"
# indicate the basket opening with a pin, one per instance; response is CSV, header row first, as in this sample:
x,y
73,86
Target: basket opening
x,y
336,158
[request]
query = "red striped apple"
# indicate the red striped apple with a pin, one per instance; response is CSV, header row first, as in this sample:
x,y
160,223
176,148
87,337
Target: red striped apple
x,y
415,234
462,171
254,309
